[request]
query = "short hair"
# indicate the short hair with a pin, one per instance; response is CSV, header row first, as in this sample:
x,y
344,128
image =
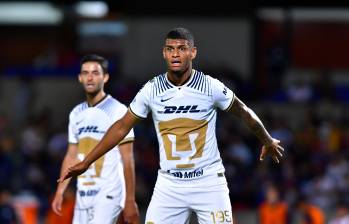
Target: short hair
x,y
181,33
96,58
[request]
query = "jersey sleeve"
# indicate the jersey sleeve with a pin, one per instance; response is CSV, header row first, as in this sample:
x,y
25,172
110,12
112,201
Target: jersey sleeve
x,y
140,104
72,132
223,97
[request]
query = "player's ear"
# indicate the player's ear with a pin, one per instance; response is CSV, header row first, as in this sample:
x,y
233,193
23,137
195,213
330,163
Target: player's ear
x,y
80,79
106,77
164,52
193,52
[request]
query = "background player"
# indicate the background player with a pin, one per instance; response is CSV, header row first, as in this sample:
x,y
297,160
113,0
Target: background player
x,y
183,104
101,193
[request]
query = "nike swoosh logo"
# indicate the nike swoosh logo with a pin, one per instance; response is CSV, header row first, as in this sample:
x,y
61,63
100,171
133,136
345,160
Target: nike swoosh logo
x,y
163,100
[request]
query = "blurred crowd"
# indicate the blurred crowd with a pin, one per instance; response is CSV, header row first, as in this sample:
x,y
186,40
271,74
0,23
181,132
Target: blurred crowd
x,y
307,115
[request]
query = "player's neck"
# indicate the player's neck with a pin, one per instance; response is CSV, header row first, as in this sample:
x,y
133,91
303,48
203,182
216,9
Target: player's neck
x,y
178,79
93,99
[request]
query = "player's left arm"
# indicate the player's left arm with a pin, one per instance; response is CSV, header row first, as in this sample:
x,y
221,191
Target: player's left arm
x,y
270,145
130,213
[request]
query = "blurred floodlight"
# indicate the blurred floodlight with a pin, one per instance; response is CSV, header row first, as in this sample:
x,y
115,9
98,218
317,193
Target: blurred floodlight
x,y
271,13
322,14
108,28
305,14
29,13
95,9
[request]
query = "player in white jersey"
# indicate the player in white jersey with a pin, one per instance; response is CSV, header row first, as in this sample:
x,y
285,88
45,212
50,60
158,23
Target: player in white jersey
x,y
183,103
108,185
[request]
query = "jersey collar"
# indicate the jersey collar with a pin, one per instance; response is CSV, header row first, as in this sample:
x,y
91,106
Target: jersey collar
x,y
99,102
193,71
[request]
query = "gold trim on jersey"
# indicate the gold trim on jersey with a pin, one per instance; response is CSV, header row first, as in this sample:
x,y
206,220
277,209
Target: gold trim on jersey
x,y
185,166
84,147
135,115
183,135
127,140
231,104
89,183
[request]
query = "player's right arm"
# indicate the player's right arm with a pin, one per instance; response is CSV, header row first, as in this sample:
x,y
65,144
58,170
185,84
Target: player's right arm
x,y
112,137
69,160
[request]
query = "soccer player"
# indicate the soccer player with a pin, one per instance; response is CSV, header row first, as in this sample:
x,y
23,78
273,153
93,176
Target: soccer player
x,y
183,103
108,186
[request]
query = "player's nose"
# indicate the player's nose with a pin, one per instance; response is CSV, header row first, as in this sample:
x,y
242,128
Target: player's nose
x,y
89,77
175,53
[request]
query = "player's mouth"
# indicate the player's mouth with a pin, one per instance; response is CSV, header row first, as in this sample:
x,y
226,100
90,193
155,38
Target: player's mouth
x,y
90,85
176,63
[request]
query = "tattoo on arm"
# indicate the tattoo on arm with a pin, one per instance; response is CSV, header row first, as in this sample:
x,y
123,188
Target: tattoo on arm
x,y
251,120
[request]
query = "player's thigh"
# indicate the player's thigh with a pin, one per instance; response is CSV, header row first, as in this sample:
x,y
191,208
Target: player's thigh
x,y
167,206
105,211
213,206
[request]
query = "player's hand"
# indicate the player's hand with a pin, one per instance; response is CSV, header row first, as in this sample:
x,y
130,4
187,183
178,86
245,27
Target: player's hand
x,y
130,212
273,149
57,204
73,171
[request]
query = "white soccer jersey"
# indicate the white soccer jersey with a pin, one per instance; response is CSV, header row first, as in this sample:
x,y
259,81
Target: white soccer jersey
x,y
105,177
185,122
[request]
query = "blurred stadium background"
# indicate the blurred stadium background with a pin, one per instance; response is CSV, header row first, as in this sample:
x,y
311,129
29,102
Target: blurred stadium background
x,y
287,62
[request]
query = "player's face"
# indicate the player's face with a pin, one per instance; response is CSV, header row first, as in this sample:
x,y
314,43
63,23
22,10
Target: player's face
x,y
92,78
178,55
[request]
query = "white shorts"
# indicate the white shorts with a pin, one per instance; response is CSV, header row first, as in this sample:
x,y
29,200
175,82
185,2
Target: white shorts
x,y
174,205
104,210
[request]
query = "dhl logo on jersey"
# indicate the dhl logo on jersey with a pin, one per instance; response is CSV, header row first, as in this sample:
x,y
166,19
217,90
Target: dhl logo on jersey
x,y
89,129
181,109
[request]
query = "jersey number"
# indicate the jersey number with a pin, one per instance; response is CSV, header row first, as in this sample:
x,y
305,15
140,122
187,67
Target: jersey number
x,y
221,217
183,139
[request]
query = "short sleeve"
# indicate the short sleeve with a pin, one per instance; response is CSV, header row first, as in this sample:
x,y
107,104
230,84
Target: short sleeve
x,y
140,104
223,97
72,133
